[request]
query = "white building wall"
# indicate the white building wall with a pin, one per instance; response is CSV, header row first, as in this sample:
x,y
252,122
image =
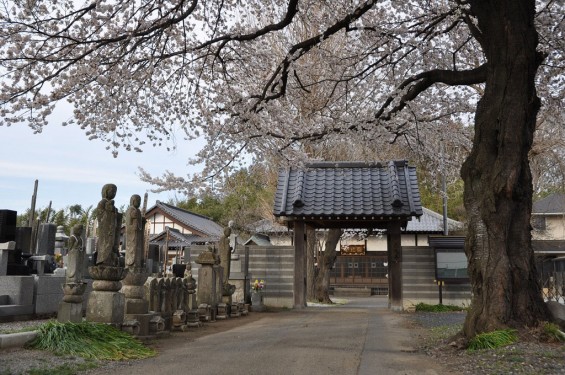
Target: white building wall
x,y
554,229
158,222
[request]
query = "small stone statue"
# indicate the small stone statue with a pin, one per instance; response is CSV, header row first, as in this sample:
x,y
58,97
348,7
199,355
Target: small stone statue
x,y
225,253
107,214
135,224
75,256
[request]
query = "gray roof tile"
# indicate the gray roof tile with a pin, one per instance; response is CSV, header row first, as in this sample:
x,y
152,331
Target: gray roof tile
x,y
348,188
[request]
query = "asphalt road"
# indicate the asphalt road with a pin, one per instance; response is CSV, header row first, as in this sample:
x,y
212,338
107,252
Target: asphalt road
x,y
360,338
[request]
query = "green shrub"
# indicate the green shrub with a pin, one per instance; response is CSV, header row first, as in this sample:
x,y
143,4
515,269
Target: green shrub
x,y
89,340
437,308
494,339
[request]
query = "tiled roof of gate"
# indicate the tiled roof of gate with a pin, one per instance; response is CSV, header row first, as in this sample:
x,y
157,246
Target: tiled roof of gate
x,y
348,188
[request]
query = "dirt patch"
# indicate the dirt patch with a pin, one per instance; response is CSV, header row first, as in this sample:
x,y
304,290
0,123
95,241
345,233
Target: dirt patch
x,y
19,361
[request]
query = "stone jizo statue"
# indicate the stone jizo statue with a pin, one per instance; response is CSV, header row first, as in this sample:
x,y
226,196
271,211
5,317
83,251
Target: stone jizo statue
x,y
75,256
106,214
225,253
135,226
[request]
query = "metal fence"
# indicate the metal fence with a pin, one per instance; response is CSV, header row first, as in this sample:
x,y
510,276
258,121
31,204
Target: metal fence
x,y
553,280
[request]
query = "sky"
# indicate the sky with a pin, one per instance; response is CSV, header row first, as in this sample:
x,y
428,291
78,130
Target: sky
x,y
72,169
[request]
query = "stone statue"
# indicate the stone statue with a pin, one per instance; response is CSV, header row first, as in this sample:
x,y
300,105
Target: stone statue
x,y
75,256
135,226
106,214
225,253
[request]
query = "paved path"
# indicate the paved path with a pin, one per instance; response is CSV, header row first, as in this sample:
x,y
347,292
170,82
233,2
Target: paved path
x,y
359,338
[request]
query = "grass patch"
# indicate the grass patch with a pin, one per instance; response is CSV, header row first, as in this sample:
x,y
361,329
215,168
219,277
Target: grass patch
x,y
552,333
424,307
89,340
494,339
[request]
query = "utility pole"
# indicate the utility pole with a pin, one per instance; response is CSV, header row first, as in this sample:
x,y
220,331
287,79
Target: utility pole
x,y
443,188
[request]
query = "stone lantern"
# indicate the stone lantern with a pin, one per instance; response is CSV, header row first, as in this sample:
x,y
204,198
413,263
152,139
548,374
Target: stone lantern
x,y
61,241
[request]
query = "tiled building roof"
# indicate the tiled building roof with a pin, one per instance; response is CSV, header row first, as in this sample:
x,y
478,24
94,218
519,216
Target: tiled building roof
x,y
352,189
431,222
553,204
200,223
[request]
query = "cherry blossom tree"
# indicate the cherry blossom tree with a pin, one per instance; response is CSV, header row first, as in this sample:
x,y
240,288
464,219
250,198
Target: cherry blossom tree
x,y
259,78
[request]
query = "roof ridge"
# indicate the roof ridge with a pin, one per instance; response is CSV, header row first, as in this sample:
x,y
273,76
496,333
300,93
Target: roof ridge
x,y
183,210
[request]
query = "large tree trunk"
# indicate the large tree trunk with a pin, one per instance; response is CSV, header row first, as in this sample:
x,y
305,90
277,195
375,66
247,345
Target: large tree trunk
x,y
498,182
326,261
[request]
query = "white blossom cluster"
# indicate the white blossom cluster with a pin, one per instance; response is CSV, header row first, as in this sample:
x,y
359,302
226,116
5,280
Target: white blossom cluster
x,y
257,79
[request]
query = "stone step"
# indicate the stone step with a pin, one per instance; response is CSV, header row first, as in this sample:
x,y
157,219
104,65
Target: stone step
x,y
10,310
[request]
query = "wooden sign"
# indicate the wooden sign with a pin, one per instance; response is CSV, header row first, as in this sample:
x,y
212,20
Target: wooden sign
x,y
352,250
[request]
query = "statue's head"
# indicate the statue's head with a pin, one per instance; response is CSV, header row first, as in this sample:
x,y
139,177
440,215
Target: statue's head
x,y
77,229
227,231
109,191
135,200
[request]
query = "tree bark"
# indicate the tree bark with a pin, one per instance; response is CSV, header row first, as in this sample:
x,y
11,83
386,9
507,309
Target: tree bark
x,y
326,261
498,181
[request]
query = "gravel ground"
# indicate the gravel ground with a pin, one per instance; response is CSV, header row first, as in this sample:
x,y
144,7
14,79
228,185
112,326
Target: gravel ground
x,y
435,333
436,339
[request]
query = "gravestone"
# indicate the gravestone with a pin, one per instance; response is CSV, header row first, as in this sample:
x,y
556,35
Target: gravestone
x,y
8,219
23,239
90,245
46,239
209,282
152,261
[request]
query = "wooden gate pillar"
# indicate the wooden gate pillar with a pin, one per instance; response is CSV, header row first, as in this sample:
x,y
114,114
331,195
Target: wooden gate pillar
x,y
394,266
299,265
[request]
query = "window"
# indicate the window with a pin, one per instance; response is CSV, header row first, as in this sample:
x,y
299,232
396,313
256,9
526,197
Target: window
x,y
538,222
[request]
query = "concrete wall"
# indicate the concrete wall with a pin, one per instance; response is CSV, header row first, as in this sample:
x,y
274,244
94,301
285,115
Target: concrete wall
x,y
48,293
19,289
418,281
273,264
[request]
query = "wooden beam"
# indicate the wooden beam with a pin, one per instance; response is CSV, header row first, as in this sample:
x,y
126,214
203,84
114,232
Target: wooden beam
x,y
299,265
394,266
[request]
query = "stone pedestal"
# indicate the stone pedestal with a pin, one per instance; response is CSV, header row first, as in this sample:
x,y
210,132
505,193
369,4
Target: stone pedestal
x,y
106,307
257,301
4,249
134,291
105,303
222,311
136,308
70,309
192,319
69,312
234,312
